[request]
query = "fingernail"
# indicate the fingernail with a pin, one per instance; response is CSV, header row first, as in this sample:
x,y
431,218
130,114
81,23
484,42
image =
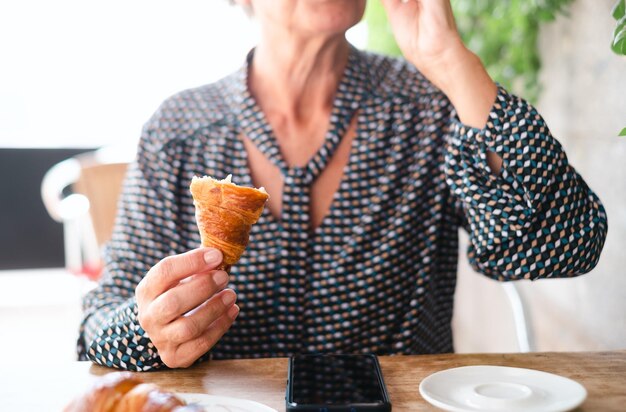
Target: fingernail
x,y
212,257
233,312
228,298
220,278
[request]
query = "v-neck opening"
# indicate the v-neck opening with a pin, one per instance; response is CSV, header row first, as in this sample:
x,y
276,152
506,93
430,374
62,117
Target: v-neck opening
x,y
258,129
345,172
351,91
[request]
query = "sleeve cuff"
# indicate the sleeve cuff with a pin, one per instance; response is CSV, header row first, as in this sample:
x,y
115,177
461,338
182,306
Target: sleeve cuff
x,y
122,343
499,198
500,136
491,137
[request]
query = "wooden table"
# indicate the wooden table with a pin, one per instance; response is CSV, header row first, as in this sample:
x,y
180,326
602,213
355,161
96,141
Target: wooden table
x,y
48,388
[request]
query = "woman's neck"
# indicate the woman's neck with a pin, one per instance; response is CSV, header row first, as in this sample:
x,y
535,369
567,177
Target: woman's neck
x,y
293,77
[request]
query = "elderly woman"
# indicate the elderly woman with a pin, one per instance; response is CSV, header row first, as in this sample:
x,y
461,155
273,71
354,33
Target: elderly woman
x,y
372,164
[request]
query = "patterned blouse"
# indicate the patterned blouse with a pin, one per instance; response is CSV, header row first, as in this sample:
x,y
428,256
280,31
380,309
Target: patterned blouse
x,y
378,274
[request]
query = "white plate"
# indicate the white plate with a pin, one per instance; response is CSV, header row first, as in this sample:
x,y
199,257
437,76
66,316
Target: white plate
x,y
223,404
499,388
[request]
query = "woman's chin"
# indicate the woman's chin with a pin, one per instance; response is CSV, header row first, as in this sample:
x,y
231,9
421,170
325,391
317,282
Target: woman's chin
x,y
329,26
333,17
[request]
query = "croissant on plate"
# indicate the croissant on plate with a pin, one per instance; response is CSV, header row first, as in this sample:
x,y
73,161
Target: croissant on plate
x,y
225,214
124,392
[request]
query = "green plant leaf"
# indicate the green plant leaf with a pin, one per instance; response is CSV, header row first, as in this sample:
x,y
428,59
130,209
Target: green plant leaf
x,y
623,132
619,10
619,39
619,44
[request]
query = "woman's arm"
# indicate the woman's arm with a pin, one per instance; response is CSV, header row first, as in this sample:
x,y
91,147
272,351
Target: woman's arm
x,y
537,217
427,34
110,333
528,212
151,285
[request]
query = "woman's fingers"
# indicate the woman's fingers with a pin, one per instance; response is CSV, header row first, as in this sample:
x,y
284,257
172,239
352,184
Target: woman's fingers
x,y
187,295
186,339
426,33
190,351
179,304
173,269
195,323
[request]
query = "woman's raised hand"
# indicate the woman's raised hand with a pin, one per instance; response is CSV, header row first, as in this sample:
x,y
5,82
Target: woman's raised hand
x,y
183,306
426,33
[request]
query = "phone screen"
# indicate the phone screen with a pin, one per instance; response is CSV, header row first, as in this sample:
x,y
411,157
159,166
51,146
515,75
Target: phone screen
x,y
336,380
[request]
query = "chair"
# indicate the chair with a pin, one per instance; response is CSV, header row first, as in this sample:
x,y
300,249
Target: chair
x,y
82,192
521,317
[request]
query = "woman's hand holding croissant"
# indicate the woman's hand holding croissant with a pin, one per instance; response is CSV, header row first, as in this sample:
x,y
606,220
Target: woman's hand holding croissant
x,y
183,306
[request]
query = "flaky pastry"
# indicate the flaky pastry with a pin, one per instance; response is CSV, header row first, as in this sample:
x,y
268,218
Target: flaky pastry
x,y
125,392
225,214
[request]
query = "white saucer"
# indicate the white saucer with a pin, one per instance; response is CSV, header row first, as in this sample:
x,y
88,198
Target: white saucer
x,y
500,388
223,404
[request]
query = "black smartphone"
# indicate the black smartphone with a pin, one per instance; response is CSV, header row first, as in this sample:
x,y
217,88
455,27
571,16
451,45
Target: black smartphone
x,y
336,383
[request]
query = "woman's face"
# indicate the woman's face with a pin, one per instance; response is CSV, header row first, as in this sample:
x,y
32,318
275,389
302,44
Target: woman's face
x,y
309,17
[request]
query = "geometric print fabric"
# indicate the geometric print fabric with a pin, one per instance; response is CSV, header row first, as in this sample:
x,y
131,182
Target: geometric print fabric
x,y
378,274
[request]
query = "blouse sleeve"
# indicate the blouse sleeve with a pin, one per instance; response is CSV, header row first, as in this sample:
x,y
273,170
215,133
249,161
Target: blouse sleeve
x,y
144,233
537,218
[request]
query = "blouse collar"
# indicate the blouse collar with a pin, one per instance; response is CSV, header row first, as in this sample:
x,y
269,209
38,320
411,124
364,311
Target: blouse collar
x,y
356,81
354,86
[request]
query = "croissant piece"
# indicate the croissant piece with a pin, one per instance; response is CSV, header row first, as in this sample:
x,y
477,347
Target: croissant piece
x,y
147,397
225,214
125,392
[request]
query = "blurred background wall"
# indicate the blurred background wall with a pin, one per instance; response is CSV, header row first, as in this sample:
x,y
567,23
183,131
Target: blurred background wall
x,y
584,102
